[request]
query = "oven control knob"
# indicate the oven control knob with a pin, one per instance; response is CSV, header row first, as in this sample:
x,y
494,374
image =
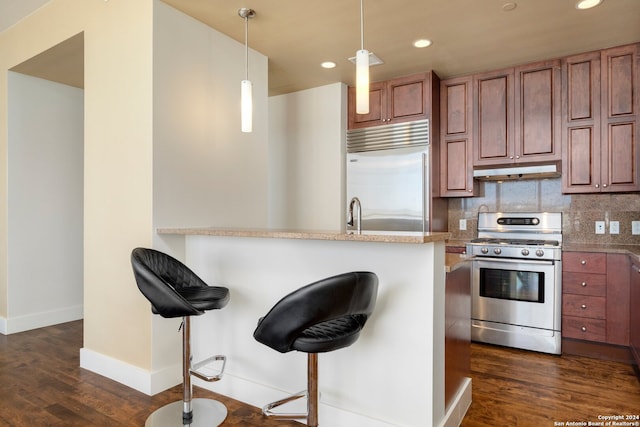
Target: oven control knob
x,y
539,252
525,252
484,250
497,251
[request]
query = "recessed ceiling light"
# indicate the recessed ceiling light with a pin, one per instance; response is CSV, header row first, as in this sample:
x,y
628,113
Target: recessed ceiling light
x,y
422,43
587,4
508,7
328,64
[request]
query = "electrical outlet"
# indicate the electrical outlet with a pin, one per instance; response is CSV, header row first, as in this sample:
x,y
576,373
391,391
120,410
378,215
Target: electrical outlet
x,y
614,227
635,227
463,225
599,227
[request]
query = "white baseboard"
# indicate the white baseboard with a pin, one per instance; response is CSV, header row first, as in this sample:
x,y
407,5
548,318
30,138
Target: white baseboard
x,y
247,391
258,395
28,322
459,406
137,378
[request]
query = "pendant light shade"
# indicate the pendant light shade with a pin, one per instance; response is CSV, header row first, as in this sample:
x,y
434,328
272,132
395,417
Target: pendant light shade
x,y
362,81
362,71
246,88
246,106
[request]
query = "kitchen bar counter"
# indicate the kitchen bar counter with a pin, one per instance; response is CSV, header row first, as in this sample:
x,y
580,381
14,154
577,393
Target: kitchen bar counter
x,y
365,236
403,342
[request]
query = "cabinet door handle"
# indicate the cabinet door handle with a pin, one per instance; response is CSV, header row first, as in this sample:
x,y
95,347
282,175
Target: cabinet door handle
x,y
517,157
604,185
583,306
583,262
583,329
597,185
584,284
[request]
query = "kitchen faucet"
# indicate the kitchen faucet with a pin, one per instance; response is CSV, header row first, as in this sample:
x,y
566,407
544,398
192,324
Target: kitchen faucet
x,y
355,201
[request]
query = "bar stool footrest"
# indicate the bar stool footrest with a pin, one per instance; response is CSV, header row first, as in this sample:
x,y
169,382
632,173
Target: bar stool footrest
x,y
198,369
267,409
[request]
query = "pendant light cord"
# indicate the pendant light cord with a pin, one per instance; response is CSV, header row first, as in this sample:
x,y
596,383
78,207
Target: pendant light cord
x,y
361,24
246,46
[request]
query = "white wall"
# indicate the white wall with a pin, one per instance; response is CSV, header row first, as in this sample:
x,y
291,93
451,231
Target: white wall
x,y
45,202
206,172
306,158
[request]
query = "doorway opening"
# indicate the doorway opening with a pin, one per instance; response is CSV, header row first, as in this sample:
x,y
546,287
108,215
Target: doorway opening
x,y
46,188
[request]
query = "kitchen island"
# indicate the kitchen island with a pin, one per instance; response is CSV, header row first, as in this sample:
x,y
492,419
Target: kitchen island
x,y
394,375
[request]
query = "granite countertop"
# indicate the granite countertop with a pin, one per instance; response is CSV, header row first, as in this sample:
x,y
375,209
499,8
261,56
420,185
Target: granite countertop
x,y
453,261
365,236
631,250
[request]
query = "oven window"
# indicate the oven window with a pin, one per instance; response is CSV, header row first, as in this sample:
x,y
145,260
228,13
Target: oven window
x,y
512,284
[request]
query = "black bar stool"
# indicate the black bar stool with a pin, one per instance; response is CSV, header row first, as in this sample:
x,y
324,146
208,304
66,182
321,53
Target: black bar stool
x,y
324,316
176,291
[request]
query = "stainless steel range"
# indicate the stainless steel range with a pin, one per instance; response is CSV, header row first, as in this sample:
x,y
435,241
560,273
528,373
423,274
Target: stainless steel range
x,y
517,280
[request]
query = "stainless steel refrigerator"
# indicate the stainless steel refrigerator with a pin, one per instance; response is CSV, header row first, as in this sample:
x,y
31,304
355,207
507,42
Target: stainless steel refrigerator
x,y
390,170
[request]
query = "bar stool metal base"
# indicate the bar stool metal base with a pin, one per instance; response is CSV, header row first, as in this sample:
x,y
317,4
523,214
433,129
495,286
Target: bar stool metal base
x,y
206,413
311,394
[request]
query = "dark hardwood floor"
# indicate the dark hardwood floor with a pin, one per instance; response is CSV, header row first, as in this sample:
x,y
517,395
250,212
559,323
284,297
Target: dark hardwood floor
x,y
42,385
520,388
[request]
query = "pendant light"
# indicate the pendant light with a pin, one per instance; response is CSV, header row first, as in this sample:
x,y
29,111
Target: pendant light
x,y
246,96
362,71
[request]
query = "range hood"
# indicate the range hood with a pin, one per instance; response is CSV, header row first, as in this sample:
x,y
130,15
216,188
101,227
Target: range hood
x,y
549,170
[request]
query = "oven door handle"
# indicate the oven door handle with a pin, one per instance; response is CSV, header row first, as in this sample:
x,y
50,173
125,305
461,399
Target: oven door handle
x,y
514,261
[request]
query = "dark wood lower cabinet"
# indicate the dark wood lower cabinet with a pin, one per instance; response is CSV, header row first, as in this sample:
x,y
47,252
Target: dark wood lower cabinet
x,y
457,330
634,312
595,297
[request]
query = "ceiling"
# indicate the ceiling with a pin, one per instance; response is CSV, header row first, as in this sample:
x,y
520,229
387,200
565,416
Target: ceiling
x,y
11,11
468,35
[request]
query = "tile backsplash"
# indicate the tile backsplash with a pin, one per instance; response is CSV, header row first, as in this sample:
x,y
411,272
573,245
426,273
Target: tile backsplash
x,y
580,211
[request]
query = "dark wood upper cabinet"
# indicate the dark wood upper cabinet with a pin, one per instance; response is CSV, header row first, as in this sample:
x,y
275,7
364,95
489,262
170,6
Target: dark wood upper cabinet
x,y
581,123
399,100
538,111
620,168
518,115
456,143
493,118
582,110
600,117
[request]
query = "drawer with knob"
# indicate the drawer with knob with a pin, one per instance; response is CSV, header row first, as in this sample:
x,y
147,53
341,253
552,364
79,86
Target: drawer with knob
x,y
584,306
584,262
584,284
584,329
